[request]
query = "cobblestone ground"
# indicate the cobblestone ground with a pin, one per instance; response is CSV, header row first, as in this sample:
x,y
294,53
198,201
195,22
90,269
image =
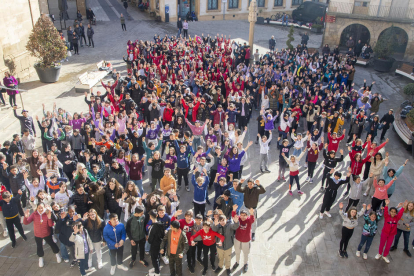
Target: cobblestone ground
x,y
290,239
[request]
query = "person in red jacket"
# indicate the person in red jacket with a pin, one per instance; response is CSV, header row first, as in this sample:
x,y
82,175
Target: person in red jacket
x,y
42,224
209,244
334,140
187,224
313,154
243,237
218,115
168,114
191,108
389,230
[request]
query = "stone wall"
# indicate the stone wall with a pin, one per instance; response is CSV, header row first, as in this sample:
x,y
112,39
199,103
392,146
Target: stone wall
x,y
17,18
375,26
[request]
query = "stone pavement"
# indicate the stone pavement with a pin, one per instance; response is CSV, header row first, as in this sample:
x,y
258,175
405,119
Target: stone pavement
x,y
290,239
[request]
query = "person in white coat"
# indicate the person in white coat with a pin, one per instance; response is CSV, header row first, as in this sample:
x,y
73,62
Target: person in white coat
x,y
83,247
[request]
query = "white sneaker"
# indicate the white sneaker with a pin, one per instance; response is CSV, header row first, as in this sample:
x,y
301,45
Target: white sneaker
x,y
5,233
66,260
122,267
321,215
90,269
378,256
358,253
311,180
90,263
54,239
365,194
307,179
165,260
41,263
44,242
327,214
364,256
58,258
386,259
306,165
113,269
100,265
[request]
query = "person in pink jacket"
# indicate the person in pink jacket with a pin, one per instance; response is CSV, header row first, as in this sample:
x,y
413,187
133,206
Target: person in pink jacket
x,y
380,192
42,224
389,230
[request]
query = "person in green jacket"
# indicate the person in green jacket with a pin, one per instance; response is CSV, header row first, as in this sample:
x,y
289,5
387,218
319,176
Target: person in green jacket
x,y
55,139
149,151
389,174
135,230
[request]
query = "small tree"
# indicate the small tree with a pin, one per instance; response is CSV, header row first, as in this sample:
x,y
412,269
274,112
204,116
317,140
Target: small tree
x,y
409,90
290,38
45,43
410,116
386,44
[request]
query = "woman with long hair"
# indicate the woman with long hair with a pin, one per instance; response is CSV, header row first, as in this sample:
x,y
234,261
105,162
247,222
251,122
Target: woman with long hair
x,y
234,159
113,194
404,227
10,82
130,200
51,164
97,198
95,225
350,221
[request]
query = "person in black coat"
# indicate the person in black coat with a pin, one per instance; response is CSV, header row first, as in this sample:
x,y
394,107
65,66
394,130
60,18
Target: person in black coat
x,y
179,26
90,32
75,39
387,121
305,39
272,43
70,37
68,159
90,15
80,200
331,191
113,192
155,237
358,48
64,227
82,34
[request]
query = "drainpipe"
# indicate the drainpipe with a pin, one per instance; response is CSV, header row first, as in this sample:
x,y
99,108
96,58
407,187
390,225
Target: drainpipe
x,y
379,7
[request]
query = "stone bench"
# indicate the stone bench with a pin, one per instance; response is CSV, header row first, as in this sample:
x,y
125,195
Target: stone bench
x,y
89,79
402,129
405,70
362,61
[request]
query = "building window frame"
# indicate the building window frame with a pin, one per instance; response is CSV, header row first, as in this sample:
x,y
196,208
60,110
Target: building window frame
x,y
212,5
297,2
278,3
233,4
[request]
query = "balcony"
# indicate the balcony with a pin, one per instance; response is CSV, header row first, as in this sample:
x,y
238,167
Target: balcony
x,y
390,13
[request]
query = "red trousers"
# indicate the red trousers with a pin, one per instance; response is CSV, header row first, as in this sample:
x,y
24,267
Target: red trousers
x,y
386,239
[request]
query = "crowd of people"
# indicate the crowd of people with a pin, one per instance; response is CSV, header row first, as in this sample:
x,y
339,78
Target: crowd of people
x,y
180,115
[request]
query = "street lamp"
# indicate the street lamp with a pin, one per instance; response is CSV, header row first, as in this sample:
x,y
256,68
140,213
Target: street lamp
x,y
252,20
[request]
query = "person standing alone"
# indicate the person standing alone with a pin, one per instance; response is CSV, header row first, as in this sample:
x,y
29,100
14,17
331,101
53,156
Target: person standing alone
x,y
179,26
123,22
185,28
90,32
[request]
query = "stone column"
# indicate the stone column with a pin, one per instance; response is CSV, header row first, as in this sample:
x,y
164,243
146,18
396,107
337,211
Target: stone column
x,y
81,5
252,20
43,6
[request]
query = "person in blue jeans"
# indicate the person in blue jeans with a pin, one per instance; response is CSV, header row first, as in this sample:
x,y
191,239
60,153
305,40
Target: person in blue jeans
x,y
83,247
285,18
64,228
368,231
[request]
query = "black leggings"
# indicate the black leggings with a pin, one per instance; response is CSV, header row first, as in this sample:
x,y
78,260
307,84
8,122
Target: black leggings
x,y
199,208
2,98
49,241
351,203
12,100
292,179
213,250
116,255
155,257
123,27
311,168
76,48
325,172
182,173
346,236
10,223
376,203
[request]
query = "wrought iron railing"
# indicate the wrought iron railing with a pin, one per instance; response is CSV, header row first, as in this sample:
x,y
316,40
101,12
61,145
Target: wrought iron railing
x,y
372,10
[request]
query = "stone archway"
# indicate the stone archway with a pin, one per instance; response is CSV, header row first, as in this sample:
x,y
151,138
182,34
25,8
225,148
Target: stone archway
x,y
357,31
401,37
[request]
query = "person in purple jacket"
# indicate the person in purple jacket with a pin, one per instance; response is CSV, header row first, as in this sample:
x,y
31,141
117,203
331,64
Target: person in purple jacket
x,y
152,132
234,158
269,122
76,122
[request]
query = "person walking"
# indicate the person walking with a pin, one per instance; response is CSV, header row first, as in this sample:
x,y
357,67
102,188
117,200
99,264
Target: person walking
x,y
387,121
185,28
179,26
176,244
90,15
90,32
75,39
10,82
123,22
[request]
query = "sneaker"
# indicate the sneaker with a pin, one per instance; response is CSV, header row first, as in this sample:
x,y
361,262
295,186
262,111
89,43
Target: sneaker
x,y
228,271
146,252
321,215
306,165
341,254
5,233
41,263
267,171
386,259
378,256
213,267
245,268
407,252
58,258
90,269
346,193
327,214
393,248
73,263
66,260
278,178
113,269
358,253
307,179
144,263
131,264
284,179
208,202
290,193
204,272
43,242
54,239
365,194
311,180
364,256
191,269
122,267
261,170
178,188
165,260
13,244
253,237
300,192
322,189
217,270
100,265
235,266
187,188
345,254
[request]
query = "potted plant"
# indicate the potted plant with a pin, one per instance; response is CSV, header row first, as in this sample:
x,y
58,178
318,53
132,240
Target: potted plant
x,y
46,45
409,91
383,50
290,38
317,26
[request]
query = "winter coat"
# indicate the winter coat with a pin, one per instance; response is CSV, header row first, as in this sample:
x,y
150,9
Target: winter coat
x,y
41,230
98,202
110,200
90,32
251,196
81,203
94,232
228,232
119,174
65,228
182,243
113,235
79,242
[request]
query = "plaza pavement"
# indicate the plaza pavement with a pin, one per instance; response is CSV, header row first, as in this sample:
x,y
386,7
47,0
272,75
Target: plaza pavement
x,y
290,238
